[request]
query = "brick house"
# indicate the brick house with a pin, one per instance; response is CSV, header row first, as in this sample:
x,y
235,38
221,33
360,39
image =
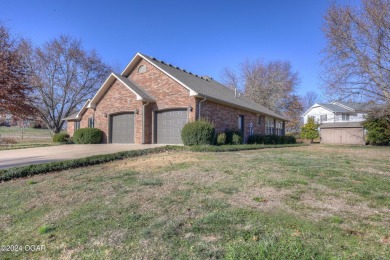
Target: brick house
x,y
152,100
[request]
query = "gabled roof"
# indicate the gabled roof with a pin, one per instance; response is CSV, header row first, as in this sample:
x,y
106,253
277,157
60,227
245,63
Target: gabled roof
x,y
335,108
344,107
205,87
131,85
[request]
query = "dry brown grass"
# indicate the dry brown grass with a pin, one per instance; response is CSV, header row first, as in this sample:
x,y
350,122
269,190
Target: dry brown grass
x,y
171,192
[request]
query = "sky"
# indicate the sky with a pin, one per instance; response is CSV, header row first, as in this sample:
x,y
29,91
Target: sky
x,y
200,36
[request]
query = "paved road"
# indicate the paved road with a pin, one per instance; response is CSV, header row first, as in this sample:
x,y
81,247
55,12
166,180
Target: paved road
x,y
22,157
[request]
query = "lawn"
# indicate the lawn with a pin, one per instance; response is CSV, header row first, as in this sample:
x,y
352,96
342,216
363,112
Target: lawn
x,y
18,132
24,138
310,202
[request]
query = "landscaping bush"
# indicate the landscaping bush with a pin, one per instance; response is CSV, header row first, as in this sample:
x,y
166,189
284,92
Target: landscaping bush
x,y
199,132
236,139
221,139
61,138
88,136
271,139
378,130
233,136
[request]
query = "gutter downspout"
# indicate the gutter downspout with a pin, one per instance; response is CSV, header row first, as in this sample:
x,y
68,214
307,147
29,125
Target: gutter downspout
x,y
143,121
199,113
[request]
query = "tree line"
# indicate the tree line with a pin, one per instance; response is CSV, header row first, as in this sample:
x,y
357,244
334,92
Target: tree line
x,y
49,81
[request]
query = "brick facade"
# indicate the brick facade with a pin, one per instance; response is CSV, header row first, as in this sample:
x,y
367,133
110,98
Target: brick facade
x,y
167,94
226,117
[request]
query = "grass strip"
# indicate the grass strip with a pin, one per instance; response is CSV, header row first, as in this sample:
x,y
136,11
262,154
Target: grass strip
x,y
30,170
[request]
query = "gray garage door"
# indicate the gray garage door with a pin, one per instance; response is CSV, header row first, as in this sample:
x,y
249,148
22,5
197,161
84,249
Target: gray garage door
x,y
122,128
169,124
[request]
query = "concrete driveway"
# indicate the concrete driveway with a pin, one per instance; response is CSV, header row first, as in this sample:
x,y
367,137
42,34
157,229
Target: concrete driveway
x,y
22,157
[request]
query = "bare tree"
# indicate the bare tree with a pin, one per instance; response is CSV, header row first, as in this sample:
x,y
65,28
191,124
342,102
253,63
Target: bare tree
x,y
270,84
231,78
293,113
357,57
64,76
309,99
14,87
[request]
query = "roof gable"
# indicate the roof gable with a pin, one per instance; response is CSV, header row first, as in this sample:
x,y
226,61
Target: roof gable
x,y
140,94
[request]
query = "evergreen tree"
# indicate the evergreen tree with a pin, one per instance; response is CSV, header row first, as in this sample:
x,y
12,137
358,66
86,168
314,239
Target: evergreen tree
x,y
310,130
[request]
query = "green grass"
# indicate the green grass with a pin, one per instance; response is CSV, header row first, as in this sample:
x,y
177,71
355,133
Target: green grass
x,y
26,132
289,203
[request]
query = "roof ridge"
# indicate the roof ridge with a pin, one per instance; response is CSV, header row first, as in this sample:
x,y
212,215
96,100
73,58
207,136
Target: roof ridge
x,y
176,67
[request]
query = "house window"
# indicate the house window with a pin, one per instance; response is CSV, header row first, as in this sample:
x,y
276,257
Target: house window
x,y
279,128
259,120
345,117
323,118
142,69
76,125
269,126
91,122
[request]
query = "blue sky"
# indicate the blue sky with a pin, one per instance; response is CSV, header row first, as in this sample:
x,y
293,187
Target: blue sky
x,y
200,36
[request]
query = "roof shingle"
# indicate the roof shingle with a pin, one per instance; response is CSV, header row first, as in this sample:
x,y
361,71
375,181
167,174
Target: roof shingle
x,y
209,88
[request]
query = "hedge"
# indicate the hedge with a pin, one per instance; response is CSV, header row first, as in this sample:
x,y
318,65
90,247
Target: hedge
x,y
88,136
271,139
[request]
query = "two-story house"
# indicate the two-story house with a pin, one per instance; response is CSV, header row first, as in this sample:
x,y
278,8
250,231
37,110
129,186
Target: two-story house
x,y
340,122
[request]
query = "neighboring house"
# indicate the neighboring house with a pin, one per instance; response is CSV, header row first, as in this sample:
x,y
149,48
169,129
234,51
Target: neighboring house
x,y
152,100
7,119
340,122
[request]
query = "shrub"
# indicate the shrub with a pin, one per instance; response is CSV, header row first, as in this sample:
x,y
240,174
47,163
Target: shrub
x,y
61,138
199,132
221,139
233,136
271,139
236,139
88,136
378,130
310,130
36,125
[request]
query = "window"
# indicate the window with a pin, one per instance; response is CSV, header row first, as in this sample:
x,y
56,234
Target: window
x,y
323,118
142,69
76,125
91,122
259,120
269,126
279,128
345,117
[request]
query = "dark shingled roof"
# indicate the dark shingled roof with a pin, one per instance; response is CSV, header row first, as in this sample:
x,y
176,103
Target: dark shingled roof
x,y
209,88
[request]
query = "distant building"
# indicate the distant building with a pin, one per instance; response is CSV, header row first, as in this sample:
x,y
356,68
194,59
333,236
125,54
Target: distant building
x,y
340,122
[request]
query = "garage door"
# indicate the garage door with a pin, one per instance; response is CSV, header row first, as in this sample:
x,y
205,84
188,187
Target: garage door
x,y
342,136
122,128
169,124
